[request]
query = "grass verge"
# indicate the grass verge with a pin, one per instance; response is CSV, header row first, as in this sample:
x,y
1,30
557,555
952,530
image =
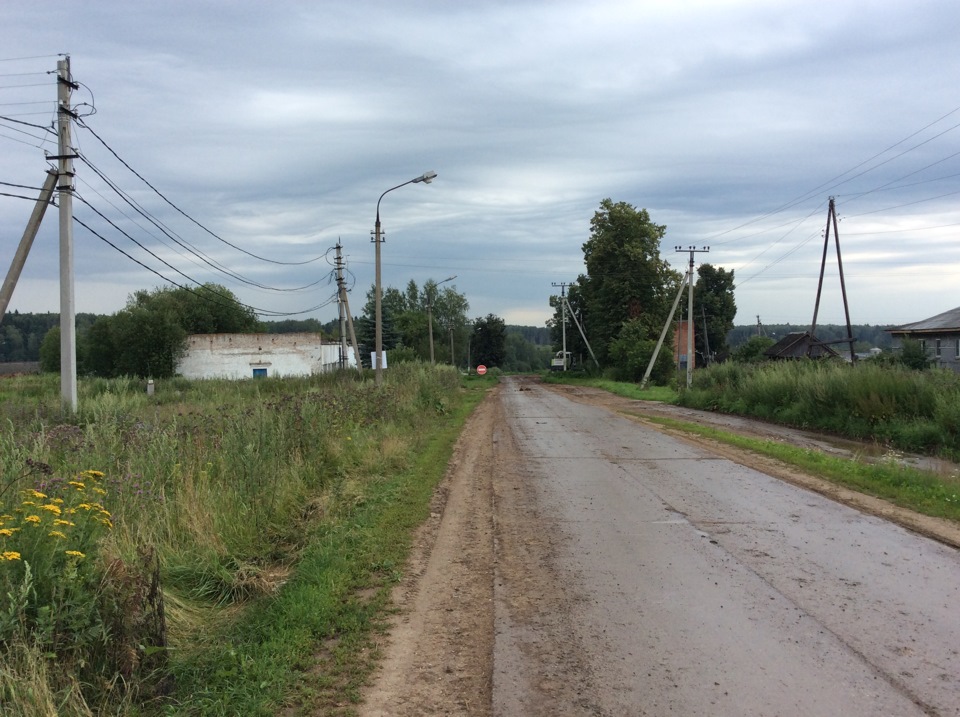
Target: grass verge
x,y
916,490
310,649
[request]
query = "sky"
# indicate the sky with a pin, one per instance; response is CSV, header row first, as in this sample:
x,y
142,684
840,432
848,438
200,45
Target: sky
x,y
268,132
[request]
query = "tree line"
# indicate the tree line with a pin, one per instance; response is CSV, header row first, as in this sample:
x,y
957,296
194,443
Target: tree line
x,y
148,336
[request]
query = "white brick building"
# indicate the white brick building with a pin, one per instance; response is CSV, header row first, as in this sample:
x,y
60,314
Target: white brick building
x,y
255,355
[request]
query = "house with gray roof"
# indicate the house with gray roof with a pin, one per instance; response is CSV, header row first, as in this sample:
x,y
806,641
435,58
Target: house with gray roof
x,y
939,336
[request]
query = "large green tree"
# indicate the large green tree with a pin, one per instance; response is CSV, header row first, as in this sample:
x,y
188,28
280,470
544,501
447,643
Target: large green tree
x,y
488,341
714,308
627,281
148,336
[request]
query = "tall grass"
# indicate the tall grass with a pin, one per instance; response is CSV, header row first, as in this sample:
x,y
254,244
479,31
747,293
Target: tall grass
x,y
908,410
213,490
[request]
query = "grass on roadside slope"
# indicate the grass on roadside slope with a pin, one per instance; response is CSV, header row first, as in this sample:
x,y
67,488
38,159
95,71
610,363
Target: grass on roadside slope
x,y
917,490
312,647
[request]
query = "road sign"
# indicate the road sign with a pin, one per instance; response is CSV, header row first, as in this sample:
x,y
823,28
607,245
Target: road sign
x,y
481,369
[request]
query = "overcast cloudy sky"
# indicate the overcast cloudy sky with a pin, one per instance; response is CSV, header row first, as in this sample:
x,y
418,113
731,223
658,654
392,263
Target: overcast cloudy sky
x,y
277,126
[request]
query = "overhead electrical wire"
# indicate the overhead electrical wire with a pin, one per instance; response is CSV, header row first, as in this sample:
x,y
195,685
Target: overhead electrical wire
x,y
229,300
175,207
830,183
179,240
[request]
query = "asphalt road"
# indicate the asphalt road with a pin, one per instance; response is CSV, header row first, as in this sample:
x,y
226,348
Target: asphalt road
x,y
681,583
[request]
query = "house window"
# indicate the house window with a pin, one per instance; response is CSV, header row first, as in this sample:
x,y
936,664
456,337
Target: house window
x,y
937,349
259,373
958,349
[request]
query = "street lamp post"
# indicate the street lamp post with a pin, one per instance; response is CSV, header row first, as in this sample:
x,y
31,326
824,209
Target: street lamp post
x,y
430,313
426,178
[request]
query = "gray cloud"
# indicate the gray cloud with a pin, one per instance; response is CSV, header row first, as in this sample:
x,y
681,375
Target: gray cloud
x,y
278,126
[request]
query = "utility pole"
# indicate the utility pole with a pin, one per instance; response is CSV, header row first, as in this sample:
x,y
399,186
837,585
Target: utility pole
x,y
430,313
68,323
563,303
345,318
691,353
832,219
341,306
26,241
759,327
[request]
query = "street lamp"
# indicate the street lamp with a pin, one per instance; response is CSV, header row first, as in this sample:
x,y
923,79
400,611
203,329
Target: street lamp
x,y
430,314
426,178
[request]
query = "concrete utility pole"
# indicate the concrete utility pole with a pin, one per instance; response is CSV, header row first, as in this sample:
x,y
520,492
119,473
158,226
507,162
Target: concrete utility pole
x,y
338,263
377,234
26,241
691,353
68,323
563,327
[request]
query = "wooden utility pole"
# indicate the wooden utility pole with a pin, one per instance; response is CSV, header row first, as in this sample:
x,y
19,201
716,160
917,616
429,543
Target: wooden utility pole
x,y
832,220
68,323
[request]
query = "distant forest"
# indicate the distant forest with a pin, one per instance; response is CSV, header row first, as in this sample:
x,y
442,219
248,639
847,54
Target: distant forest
x,y
22,334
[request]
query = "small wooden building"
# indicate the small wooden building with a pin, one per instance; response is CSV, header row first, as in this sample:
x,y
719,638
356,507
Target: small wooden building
x,y
799,345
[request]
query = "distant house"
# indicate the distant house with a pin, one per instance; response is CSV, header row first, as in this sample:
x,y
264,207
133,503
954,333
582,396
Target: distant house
x,y
799,345
259,355
939,336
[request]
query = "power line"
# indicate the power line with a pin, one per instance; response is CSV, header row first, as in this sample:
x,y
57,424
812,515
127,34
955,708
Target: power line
x,y
232,300
32,57
829,183
179,240
165,199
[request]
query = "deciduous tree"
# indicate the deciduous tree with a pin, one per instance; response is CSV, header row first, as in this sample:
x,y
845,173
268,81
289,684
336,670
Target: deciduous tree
x,y
627,280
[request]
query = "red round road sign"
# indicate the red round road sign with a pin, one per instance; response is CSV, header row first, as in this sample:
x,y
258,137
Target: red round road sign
x,y
481,369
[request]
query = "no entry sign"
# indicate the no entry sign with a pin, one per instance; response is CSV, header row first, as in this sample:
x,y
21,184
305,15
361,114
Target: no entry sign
x,y
481,369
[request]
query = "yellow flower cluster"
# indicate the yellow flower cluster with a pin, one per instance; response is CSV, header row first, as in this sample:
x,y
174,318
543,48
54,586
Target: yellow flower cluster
x,y
36,505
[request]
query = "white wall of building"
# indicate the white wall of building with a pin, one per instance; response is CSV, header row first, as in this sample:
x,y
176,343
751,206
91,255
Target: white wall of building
x,y
248,355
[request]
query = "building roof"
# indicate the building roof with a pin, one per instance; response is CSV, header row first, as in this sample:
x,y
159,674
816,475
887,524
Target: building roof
x,y
800,344
947,321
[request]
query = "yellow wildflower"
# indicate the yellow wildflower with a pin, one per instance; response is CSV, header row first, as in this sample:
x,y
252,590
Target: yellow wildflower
x,y
35,493
60,521
84,506
8,532
75,553
10,555
105,513
56,534
77,484
50,507
28,502
58,501
101,491
32,519
93,474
